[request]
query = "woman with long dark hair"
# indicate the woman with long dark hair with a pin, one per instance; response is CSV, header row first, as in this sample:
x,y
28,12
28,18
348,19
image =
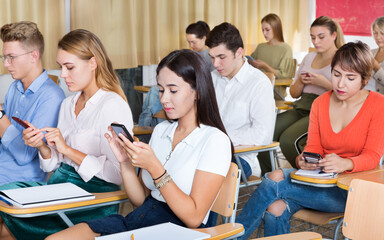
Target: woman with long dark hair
x,y
185,163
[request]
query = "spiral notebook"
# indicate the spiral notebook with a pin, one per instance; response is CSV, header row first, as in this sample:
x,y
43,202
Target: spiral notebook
x,y
40,196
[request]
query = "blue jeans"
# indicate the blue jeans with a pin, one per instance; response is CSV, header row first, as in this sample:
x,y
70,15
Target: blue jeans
x,y
246,167
296,196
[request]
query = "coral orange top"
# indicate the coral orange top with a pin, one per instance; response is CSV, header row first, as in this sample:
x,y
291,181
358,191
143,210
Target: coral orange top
x,y
362,140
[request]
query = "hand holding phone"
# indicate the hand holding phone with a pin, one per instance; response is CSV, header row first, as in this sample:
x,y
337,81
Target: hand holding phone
x,y
311,157
120,128
305,74
21,122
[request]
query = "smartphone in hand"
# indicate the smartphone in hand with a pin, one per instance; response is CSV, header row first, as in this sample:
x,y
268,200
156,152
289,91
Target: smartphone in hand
x,y
305,74
120,128
21,122
311,157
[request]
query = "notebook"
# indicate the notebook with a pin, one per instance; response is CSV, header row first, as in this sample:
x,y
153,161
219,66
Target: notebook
x,y
164,231
315,173
45,195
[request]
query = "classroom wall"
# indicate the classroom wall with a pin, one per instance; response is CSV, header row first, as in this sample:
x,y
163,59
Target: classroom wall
x,y
149,76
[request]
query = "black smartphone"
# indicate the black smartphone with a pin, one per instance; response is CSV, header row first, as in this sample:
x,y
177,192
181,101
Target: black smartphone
x,y
311,157
120,128
21,122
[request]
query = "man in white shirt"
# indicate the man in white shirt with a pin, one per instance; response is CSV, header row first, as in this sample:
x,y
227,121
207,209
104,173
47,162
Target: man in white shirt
x,y
244,94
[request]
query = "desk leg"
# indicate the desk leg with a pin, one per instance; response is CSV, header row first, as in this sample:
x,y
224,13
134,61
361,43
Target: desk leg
x,y
243,177
65,219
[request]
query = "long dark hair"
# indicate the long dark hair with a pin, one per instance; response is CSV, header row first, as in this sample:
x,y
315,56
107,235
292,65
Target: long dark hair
x,y
192,69
200,29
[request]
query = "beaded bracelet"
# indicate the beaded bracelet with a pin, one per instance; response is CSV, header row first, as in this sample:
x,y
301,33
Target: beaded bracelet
x,y
163,181
165,171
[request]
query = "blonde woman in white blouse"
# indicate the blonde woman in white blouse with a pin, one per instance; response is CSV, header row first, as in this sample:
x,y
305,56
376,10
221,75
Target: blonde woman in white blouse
x,y
77,150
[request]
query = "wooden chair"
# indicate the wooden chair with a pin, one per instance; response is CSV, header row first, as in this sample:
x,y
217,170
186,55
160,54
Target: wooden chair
x,y
55,78
226,205
364,213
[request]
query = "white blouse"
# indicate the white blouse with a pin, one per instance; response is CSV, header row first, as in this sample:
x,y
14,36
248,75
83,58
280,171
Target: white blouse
x,y
85,133
205,148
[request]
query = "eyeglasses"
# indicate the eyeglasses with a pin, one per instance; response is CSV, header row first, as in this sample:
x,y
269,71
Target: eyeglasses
x,y
9,59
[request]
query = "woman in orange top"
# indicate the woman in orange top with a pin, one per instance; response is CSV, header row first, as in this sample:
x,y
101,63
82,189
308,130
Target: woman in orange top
x,y
345,127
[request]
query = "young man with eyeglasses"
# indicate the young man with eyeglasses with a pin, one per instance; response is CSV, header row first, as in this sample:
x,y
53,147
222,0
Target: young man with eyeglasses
x,y
33,96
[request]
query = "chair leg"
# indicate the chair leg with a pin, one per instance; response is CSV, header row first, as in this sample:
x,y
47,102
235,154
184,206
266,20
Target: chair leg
x,y
337,229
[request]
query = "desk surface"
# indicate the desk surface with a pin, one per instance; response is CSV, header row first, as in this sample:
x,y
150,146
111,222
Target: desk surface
x,y
344,179
142,88
374,175
99,198
251,148
283,82
142,130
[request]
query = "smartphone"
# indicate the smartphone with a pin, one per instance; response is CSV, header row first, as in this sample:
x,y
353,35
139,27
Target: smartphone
x,y
120,128
306,74
311,157
250,58
21,122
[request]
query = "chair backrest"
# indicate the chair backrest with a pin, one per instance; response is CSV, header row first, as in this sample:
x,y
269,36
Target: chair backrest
x,y
271,77
226,202
300,142
55,78
364,214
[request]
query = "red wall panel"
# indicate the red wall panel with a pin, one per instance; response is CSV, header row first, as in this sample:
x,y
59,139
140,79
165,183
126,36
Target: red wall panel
x,y
354,16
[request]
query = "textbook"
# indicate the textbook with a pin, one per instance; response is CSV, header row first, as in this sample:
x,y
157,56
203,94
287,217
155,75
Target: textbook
x,y
315,173
164,231
45,195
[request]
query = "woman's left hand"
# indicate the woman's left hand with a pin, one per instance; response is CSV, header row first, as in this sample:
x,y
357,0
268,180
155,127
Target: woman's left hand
x,y
333,163
55,138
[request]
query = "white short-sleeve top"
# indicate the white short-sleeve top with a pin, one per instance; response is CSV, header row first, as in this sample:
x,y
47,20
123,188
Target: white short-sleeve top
x,y
206,148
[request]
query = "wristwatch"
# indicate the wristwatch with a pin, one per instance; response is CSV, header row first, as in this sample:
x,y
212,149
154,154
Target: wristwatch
x,y
2,113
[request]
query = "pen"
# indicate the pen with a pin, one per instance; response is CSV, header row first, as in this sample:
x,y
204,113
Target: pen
x,y
132,237
6,201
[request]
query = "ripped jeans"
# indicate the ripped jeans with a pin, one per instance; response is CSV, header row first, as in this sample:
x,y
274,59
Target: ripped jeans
x,y
296,196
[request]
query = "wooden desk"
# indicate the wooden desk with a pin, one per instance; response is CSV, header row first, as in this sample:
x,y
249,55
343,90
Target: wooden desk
x,y
374,175
246,149
142,130
313,181
343,180
143,89
101,199
283,82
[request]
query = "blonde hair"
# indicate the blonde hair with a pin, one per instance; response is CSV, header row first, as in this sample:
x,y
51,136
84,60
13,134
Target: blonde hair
x,y
277,28
24,32
379,22
86,45
332,26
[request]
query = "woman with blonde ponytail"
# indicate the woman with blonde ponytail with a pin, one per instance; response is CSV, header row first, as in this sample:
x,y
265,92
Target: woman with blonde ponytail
x,y
77,150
